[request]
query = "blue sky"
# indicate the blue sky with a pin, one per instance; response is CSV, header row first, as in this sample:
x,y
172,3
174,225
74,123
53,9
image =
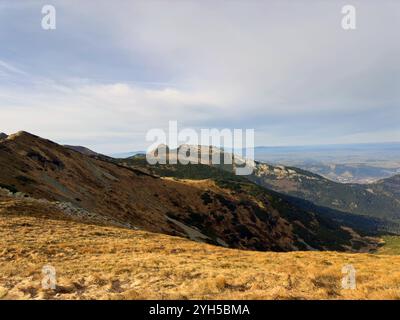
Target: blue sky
x,y
113,70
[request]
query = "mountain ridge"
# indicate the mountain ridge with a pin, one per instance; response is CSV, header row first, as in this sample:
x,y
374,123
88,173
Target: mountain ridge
x,y
201,210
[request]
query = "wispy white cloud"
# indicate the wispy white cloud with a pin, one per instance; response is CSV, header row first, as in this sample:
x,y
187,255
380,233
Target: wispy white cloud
x,y
9,74
97,111
7,67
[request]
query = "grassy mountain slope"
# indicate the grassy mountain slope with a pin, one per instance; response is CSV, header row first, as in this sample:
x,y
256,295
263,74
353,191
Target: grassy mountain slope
x,y
104,262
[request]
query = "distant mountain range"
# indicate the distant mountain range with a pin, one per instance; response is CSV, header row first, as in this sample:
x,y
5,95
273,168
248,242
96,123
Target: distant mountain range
x,y
349,163
346,163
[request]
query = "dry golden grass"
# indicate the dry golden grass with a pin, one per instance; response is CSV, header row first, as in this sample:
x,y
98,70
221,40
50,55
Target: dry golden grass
x,y
97,262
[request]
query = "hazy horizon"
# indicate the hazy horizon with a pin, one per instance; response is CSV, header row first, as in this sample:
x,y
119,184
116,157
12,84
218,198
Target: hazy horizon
x,y
299,146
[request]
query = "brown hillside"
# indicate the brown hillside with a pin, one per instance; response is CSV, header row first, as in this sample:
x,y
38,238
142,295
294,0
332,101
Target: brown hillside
x,y
132,198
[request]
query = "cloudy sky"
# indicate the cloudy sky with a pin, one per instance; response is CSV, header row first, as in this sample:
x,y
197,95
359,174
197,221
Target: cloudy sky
x,y
113,70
